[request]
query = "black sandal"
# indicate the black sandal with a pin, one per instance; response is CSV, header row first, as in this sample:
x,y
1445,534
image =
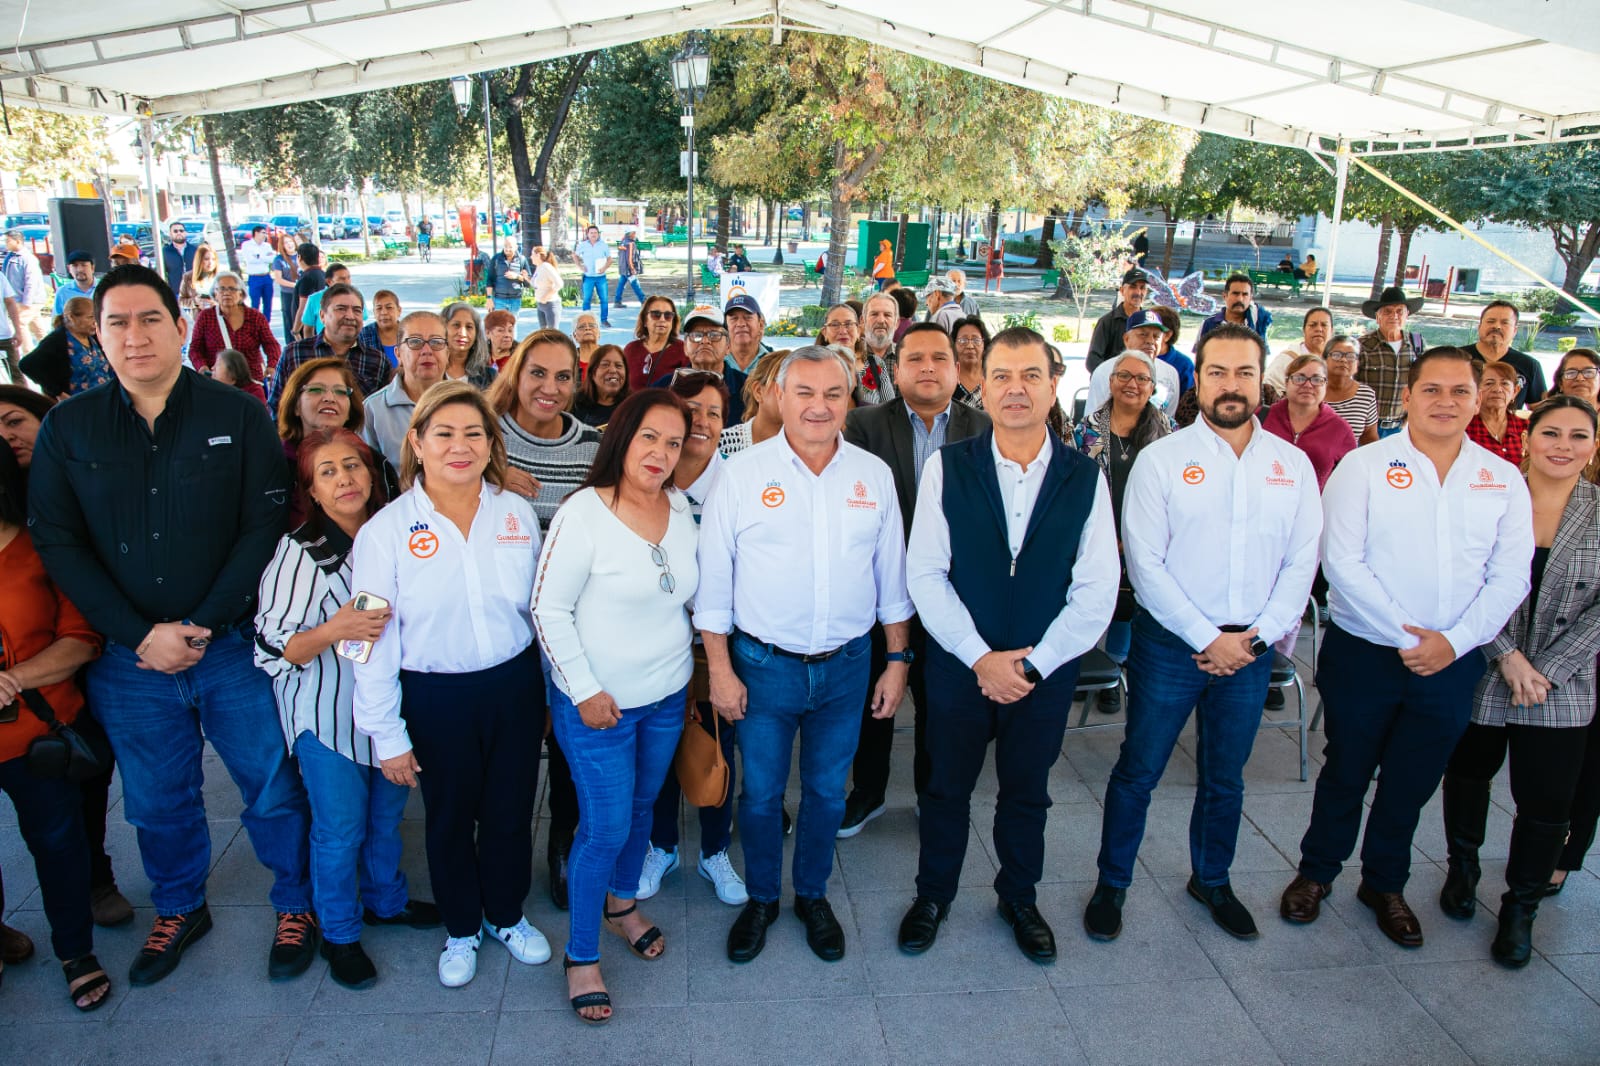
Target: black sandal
x,y
586,1000
85,977
649,937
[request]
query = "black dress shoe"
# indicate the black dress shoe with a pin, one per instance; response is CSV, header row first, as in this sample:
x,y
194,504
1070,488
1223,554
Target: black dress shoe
x,y
920,927
749,933
349,965
1225,908
822,928
1102,918
417,913
1275,700
1108,701
1031,930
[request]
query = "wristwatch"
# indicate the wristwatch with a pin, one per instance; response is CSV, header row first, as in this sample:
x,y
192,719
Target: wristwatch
x,y
1258,647
1031,672
908,657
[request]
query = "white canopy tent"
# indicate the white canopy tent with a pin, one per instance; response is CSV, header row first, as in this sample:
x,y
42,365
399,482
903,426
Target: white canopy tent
x,y
1366,76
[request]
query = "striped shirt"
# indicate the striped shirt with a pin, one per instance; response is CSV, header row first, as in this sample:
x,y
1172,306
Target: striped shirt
x,y
559,464
1360,410
306,583
925,441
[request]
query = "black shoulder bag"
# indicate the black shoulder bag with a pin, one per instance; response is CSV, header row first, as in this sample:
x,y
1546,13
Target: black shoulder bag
x,y
75,752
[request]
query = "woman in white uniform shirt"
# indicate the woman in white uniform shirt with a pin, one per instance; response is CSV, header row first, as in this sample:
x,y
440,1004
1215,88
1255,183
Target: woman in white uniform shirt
x,y
449,693
617,570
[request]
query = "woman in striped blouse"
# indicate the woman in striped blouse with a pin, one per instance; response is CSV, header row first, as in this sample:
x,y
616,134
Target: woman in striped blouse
x,y
305,613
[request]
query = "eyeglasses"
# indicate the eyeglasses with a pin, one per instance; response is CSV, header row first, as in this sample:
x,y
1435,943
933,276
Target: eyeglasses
x,y
658,555
220,289
661,315
1495,381
706,336
1308,379
689,373
416,344
1122,377
1588,373
1340,357
970,342
322,390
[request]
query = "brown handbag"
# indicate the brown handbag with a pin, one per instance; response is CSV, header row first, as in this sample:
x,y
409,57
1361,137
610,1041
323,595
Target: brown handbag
x,y
702,771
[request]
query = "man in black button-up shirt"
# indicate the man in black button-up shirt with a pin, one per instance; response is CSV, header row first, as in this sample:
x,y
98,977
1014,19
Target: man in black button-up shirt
x,y
156,502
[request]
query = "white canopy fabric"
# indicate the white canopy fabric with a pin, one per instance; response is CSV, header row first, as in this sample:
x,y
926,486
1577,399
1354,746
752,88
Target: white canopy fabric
x,y
1389,75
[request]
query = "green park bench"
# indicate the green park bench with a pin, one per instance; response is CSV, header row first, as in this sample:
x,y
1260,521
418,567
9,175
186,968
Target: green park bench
x,y
913,279
646,246
811,277
1276,278
1049,280
709,279
679,235
398,245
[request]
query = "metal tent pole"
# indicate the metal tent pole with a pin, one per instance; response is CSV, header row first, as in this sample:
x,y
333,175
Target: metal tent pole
x,y
1341,175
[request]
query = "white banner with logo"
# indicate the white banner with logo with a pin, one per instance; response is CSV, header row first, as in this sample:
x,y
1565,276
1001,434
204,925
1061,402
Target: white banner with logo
x,y
764,287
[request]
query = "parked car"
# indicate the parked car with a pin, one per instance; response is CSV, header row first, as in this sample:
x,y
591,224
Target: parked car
x,y
241,229
139,233
202,230
298,224
328,228
350,227
35,225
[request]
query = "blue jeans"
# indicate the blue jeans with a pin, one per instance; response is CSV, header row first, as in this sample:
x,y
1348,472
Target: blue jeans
x,y
822,702
1390,430
158,724
261,288
618,774
355,839
508,303
595,284
1118,641
50,818
1164,686
623,281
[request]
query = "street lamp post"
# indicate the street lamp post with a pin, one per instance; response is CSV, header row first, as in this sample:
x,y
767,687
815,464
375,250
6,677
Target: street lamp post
x,y
461,89
691,71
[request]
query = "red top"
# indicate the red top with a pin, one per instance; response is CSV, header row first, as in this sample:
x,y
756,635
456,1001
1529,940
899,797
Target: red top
x,y
644,366
1508,447
1325,441
34,615
253,337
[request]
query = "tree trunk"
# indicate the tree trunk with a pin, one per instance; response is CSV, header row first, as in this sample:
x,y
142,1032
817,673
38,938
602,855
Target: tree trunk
x,y
532,180
556,198
1385,233
838,239
1172,239
772,210
1578,249
366,226
994,222
805,221
1405,233
961,238
900,241
221,195
777,253
405,209
1047,233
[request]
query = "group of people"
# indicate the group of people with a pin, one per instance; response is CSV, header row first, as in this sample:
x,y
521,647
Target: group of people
x,y
426,570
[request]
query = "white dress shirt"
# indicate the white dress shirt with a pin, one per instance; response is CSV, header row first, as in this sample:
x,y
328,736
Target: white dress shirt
x,y
1168,389
461,604
803,561
1213,539
255,257
604,621
1401,549
1091,597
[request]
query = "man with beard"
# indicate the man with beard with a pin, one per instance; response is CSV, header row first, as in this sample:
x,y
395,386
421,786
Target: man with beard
x,y
1219,528
1239,308
1497,325
340,338
875,377
745,324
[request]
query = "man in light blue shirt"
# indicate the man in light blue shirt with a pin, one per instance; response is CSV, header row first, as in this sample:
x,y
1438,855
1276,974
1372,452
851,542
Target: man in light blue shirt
x,y
80,265
595,255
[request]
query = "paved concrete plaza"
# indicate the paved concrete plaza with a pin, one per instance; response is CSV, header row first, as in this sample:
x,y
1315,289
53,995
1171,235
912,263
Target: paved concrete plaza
x,y
1174,988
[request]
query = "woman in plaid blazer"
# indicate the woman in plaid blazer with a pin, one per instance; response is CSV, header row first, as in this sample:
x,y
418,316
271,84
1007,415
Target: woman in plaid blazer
x,y
1538,697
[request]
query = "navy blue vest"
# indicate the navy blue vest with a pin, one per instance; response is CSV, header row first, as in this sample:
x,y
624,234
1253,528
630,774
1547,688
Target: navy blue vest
x,y
1012,602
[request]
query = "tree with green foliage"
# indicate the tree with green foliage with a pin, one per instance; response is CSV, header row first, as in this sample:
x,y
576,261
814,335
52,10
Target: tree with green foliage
x,y
1093,261
42,147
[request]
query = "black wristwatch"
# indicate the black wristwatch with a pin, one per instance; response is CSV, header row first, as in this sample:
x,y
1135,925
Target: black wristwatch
x,y
908,657
1031,672
1258,647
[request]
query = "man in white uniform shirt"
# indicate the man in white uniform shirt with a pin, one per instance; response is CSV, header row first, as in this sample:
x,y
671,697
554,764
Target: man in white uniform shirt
x,y
255,259
1427,550
1013,568
1219,529
801,551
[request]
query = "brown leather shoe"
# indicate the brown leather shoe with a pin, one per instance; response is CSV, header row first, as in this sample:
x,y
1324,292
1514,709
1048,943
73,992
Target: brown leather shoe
x,y
15,946
1394,915
1302,900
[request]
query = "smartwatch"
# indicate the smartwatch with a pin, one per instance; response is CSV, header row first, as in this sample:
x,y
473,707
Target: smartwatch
x,y
1031,672
908,657
1258,647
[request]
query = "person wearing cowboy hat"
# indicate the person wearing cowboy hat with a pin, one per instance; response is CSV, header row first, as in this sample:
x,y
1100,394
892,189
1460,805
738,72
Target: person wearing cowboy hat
x,y
1388,352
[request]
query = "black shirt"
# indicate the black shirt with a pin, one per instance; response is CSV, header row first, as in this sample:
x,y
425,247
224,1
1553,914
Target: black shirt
x,y
311,281
1526,365
1106,340
140,527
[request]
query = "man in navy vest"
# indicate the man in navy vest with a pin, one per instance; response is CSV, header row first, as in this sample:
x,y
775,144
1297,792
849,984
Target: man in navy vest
x,y
1219,528
1013,569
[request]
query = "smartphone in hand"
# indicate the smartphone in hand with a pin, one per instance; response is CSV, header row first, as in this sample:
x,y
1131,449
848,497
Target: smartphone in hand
x,y
358,651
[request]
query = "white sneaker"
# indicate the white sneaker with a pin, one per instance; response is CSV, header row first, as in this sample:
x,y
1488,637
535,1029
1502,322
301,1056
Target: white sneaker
x,y
730,886
657,864
458,962
525,943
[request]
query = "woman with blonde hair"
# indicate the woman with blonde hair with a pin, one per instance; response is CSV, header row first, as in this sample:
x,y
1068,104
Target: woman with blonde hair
x,y
197,283
761,417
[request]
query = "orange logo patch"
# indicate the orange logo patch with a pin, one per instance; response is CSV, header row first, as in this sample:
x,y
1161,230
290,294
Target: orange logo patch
x,y
1399,477
423,544
1193,474
772,496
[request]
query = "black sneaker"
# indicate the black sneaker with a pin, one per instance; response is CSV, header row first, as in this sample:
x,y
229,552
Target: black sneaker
x,y
1102,918
164,947
858,811
294,945
349,965
1108,701
1275,700
417,913
1225,908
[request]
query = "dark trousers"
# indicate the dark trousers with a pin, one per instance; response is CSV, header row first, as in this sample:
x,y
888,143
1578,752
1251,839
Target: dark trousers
x,y
96,793
716,823
1585,803
1027,739
1381,718
474,735
563,796
870,772
1544,765
49,814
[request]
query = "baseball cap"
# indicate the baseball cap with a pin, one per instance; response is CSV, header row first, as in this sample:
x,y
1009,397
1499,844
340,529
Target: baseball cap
x,y
743,302
1144,318
79,256
126,248
704,313
944,285
1136,277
